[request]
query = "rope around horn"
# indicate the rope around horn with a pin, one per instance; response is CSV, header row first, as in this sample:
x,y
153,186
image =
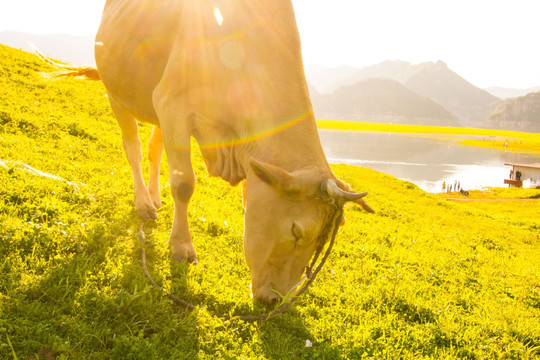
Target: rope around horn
x,y
310,273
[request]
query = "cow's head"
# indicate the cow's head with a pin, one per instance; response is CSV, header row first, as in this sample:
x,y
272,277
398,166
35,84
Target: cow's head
x,y
286,213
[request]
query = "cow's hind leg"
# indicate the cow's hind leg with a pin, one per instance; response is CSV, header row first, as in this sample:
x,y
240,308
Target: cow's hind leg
x,y
155,149
132,147
176,140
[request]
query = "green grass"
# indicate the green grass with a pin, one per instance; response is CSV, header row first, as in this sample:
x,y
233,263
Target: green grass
x,y
421,278
513,141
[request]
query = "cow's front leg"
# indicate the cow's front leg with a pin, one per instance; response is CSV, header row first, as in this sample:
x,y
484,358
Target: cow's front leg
x,y
180,240
176,136
132,147
182,180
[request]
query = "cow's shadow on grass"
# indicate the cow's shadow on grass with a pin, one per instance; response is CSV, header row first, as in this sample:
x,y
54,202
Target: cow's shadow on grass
x,y
287,337
64,300
283,336
99,301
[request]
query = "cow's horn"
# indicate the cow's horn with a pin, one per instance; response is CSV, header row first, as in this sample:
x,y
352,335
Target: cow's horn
x,y
334,192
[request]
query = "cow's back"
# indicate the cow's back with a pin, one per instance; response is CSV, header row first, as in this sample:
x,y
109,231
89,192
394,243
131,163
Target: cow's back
x,y
132,48
255,45
232,69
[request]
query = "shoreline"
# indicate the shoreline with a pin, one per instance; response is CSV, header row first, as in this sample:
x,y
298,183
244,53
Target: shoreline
x,y
506,140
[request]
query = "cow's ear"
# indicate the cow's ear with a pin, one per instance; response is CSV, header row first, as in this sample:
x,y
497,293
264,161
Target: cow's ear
x,y
270,174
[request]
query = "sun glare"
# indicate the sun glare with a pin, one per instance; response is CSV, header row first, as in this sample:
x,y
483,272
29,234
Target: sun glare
x,y
219,17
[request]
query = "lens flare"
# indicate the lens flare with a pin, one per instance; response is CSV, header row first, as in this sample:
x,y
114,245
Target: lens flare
x,y
219,17
257,136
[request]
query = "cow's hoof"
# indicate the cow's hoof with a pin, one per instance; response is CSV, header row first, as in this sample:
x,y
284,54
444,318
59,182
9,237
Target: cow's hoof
x,y
148,214
185,253
188,260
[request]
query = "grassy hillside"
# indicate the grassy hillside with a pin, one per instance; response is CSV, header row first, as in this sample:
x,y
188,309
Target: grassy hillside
x,y
421,278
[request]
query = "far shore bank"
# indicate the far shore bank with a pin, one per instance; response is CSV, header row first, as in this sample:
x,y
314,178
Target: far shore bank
x,y
512,141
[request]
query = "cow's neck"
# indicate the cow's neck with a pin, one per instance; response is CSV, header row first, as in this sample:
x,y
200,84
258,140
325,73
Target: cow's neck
x,y
295,146
227,161
290,144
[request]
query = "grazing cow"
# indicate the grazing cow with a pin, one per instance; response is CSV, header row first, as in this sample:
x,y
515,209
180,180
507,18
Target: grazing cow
x,y
230,74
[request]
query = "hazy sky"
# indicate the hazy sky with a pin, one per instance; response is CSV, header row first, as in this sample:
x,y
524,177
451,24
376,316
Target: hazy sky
x,y
488,42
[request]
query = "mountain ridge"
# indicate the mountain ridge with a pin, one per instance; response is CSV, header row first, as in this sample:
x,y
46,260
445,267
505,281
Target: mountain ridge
x,y
470,105
467,102
520,114
381,100
507,93
315,71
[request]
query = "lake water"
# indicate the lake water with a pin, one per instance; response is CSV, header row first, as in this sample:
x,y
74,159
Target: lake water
x,y
423,161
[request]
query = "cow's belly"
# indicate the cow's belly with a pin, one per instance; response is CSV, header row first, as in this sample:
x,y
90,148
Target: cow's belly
x,y
133,45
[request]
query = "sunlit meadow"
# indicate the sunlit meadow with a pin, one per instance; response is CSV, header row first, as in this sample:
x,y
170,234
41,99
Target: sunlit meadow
x,y
422,278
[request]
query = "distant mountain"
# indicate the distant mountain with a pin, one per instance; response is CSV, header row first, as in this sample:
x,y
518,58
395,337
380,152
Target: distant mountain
x,y
321,77
468,103
505,93
381,100
77,50
521,114
397,70
313,92
465,104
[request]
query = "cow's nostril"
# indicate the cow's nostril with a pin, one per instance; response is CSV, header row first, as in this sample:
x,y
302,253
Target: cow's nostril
x,y
268,300
273,302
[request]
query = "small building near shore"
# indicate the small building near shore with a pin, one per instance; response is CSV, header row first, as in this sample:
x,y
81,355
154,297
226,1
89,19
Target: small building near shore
x,y
524,175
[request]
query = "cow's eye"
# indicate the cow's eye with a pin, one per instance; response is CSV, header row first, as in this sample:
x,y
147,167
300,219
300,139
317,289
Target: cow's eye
x,y
297,232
